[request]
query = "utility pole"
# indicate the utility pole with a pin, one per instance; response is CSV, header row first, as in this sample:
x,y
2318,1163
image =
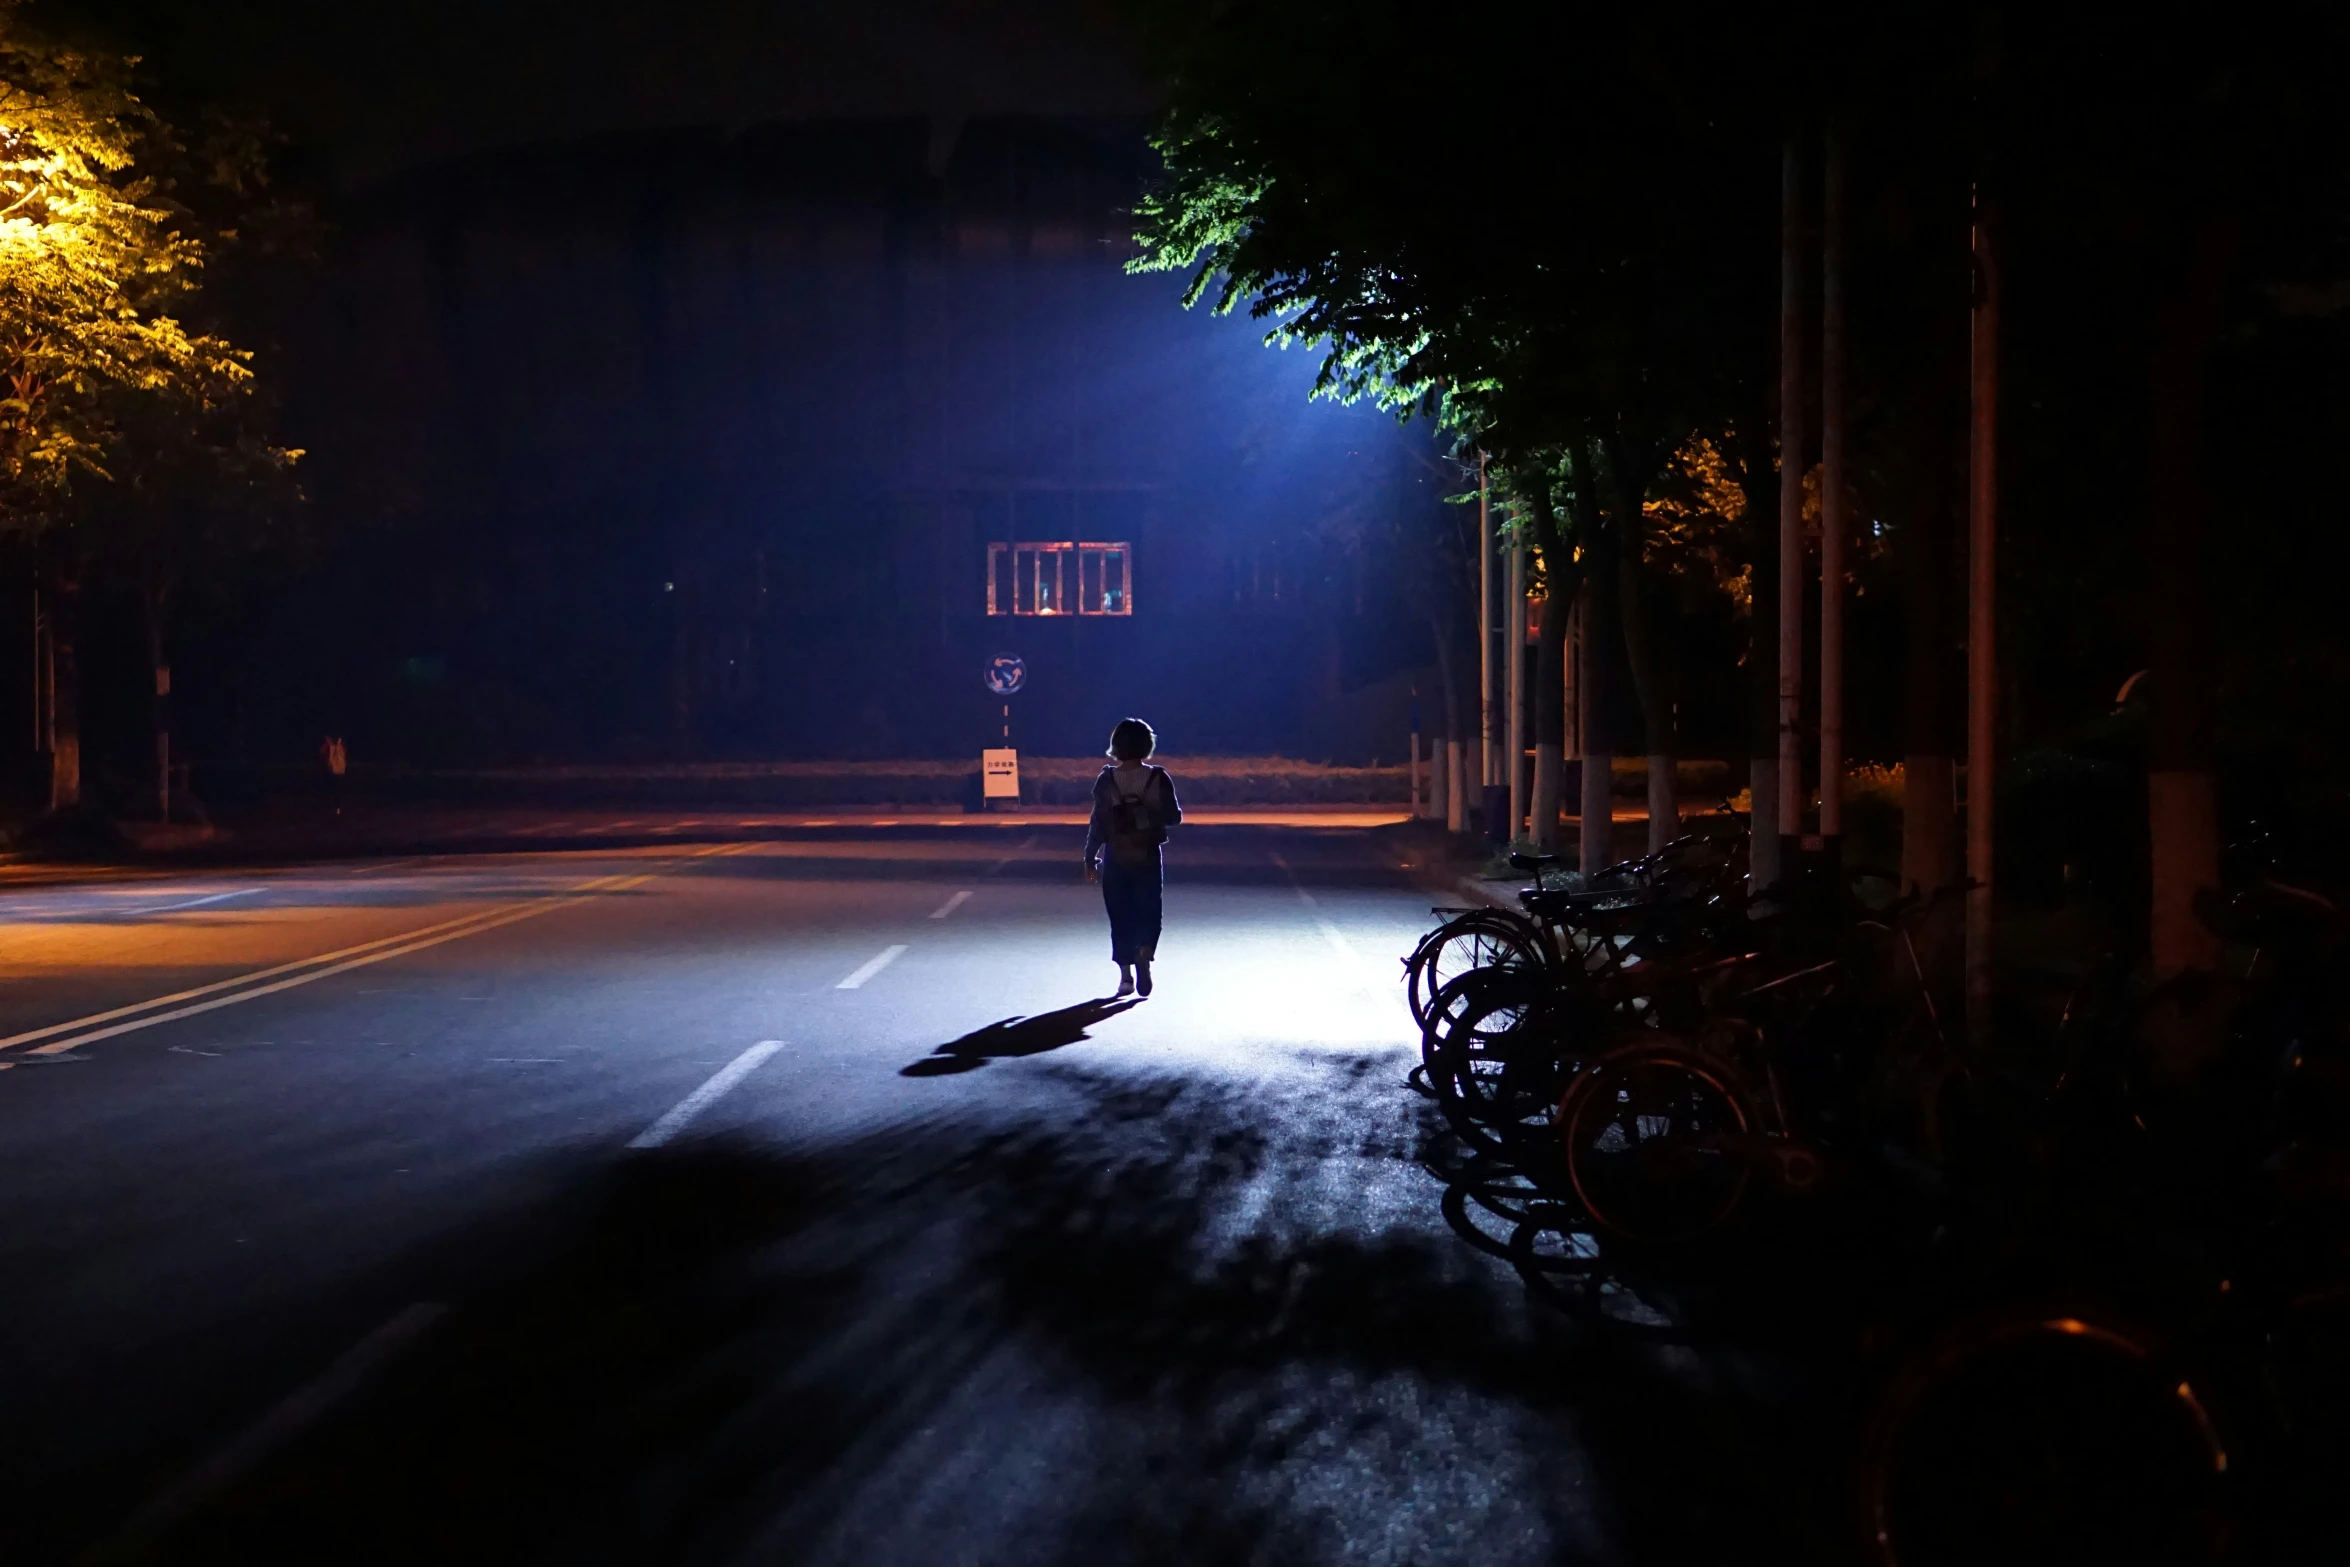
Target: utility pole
x,y
1832,521
1791,453
1982,649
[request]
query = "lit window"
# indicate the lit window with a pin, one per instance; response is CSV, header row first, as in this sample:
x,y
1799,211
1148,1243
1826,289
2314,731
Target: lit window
x,y
1060,579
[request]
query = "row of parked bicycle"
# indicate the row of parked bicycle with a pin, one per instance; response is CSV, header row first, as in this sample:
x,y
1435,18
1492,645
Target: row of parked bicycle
x,y
2097,1271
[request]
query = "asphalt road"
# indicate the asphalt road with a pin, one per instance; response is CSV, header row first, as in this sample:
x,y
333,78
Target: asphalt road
x,y
782,1199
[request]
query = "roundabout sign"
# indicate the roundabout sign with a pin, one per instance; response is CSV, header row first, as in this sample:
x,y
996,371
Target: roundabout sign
x,y
1006,674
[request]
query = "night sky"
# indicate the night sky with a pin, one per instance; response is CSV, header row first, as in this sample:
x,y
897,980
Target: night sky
x,y
385,85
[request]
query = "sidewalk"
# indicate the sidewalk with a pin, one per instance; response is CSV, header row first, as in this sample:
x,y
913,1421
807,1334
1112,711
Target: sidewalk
x,y
363,831
296,830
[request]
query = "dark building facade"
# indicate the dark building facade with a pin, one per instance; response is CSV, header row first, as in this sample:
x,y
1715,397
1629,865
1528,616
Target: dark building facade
x,y
764,445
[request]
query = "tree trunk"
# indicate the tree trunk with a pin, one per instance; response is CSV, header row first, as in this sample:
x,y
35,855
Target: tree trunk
x,y
151,601
1793,450
1650,686
1439,744
1599,699
1832,480
65,689
1929,817
1550,662
1488,726
1651,673
1759,485
2181,790
1550,725
1596,808
1455,665
1514,688
1982,641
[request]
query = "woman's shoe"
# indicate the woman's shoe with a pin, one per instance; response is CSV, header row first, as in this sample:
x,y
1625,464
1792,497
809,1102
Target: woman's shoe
x,y
1142,976
1126,983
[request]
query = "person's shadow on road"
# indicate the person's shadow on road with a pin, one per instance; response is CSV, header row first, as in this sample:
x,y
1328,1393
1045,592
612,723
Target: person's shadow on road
x,y
1016,1036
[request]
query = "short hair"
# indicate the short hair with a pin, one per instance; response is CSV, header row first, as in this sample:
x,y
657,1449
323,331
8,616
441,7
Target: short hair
x,y
1132,741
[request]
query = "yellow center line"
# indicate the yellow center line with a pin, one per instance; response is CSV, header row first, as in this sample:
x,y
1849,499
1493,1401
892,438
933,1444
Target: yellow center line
x,y
358,956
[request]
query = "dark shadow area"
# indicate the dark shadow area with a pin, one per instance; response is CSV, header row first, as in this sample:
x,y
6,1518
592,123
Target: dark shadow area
x,y
1017,1036
1140,1336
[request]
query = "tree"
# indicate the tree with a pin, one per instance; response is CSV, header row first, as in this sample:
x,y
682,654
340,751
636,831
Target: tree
x,y
2163,187
1544,252
95,259
1553,230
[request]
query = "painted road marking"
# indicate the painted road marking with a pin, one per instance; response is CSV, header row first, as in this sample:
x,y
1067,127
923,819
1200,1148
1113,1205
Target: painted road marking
x,y
101,912
703,1097
192,903
857,980
952,904
512,915
300,1411
1363,972
353,957
1024,845
30,1035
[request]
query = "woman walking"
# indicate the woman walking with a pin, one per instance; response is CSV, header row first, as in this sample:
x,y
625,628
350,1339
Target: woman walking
x,y
1133,806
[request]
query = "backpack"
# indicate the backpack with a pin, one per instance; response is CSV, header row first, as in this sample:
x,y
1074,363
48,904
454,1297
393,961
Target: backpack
x,y
1135,832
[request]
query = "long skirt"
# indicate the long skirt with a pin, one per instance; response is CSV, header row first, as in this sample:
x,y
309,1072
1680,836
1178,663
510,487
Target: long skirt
x,y
1131,893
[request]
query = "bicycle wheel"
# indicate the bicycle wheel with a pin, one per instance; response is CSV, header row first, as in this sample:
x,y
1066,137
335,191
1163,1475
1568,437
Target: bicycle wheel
x,y
1482,938
1652,1137
1564,1261
2037,1436
1486,1053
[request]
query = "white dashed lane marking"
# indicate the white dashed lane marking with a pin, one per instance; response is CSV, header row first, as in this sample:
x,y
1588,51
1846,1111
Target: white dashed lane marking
x,y
708,1094
857,980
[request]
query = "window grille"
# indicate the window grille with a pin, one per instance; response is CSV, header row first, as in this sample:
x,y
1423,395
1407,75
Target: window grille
x,y
1060,579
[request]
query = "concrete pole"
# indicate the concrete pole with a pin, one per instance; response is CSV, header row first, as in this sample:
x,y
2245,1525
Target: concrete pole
x,y
1832,521
1596,805
1514,655
1982,647
1486,776
1791,453
1573,663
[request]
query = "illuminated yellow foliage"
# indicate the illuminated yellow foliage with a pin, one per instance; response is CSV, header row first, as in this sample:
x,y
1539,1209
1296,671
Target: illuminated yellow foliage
x,y
93,260
1695,517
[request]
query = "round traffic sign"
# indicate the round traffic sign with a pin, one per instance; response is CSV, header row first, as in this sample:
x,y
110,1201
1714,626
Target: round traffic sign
x,y
1006,674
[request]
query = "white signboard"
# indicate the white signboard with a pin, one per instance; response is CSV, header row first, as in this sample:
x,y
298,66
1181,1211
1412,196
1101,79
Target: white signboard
x,y
999,775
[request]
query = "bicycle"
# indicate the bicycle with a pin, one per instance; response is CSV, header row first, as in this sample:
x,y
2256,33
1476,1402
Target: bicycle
x,y
2168,1380
1664,1137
